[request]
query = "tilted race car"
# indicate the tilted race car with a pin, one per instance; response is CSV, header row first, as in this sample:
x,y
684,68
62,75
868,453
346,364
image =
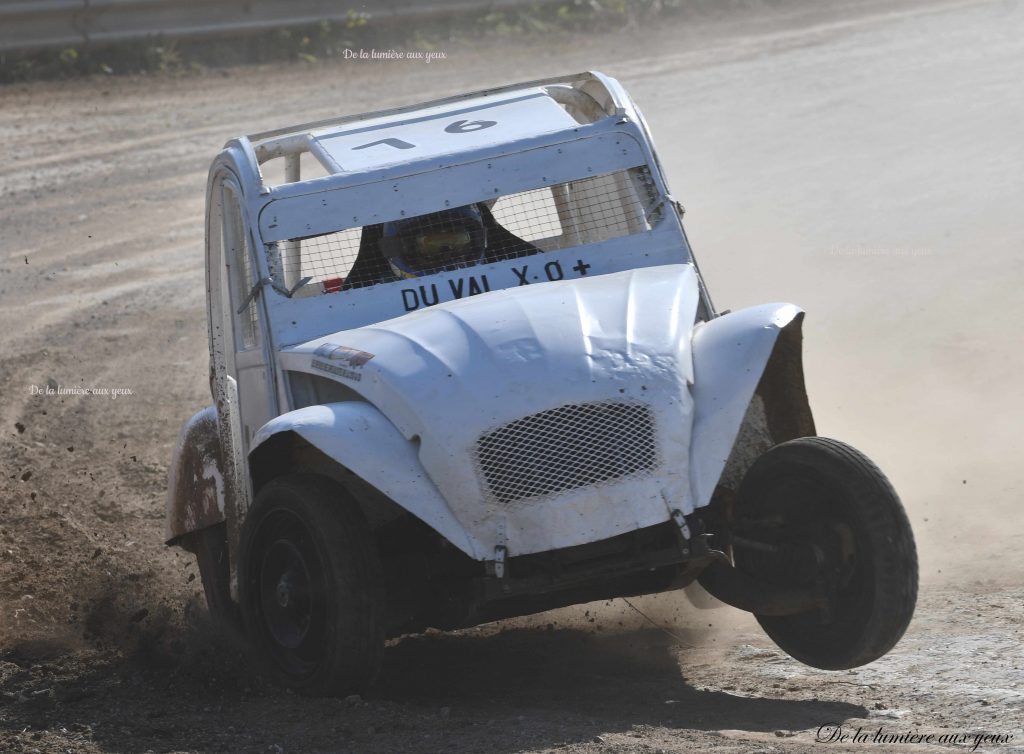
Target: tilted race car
x,y
464,367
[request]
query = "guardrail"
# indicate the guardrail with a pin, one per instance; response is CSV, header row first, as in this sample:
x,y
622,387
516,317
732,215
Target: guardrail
x,y
27,25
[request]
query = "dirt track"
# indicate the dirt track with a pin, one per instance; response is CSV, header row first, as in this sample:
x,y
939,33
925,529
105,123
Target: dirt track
x,y
865,163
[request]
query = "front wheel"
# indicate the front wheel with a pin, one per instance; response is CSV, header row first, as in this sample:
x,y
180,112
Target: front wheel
x,y
823,516
311,587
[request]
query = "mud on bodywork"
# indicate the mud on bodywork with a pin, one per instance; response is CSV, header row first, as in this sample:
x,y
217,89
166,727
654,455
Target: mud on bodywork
x,y
195,490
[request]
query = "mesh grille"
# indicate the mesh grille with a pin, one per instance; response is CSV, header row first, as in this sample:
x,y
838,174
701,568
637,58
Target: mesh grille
x,y
545,219
566,448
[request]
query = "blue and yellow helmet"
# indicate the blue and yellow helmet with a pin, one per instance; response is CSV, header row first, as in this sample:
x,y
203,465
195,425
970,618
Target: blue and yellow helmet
x,y
443,240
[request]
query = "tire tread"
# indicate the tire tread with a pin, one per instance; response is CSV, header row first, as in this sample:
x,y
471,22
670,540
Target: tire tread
x,y
886,527
346,544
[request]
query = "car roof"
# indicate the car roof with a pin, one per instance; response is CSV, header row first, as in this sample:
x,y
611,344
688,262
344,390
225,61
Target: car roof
x,y
444,129
451,126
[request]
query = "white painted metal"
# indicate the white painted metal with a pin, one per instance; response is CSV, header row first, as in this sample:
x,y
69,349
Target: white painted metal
x,y
483,122
223,369
729,355
598,323
470,176
589,85
364,441
446,375
471,171
251,368
299,319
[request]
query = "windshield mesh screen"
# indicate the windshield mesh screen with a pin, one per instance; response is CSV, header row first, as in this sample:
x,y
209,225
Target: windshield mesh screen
x,y
545,219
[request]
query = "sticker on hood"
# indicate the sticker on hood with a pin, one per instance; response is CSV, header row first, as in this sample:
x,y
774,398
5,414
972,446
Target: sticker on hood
x,y
351,356
348,361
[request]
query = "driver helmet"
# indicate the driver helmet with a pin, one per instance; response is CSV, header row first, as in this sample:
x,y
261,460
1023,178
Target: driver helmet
x,y
442,240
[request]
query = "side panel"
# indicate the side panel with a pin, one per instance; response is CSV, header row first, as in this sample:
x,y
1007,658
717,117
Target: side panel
x,y
221,319
195,485
730,354
244,320
360,438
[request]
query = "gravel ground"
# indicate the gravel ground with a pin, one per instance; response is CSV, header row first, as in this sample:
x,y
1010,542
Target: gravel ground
x,y
863,160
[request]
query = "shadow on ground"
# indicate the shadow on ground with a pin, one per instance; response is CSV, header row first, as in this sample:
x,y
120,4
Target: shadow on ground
x,y
465,692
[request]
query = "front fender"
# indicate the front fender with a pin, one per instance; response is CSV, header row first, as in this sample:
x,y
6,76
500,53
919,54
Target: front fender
x,y
195,484
360,438
748,392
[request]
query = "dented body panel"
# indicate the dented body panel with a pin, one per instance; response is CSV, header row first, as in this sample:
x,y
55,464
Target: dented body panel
x,y
471,371
448,376
360,438
578,399
442,379
729,358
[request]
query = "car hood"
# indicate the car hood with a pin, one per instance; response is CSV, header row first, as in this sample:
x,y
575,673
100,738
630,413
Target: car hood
x,y
460,371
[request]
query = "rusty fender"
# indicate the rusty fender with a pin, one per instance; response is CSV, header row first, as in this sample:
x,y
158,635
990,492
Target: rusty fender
x,y
195,485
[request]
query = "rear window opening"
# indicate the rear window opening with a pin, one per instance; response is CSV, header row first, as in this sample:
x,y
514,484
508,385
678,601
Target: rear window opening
x,y
291,168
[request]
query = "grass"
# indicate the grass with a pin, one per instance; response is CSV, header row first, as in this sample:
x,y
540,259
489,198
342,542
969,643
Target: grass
x,y
330,39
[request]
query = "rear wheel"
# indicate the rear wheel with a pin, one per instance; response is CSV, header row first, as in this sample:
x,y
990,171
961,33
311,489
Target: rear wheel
x,y
210,546
311,586
824,516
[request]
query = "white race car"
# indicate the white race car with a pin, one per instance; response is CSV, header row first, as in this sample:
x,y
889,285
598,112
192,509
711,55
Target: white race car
x,y
464,367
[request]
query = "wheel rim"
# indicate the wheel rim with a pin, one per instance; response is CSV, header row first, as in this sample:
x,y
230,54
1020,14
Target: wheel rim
x,y
833,499
816,545
285,594
289,593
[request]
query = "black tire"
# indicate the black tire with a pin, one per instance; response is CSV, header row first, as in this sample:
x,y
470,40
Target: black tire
x,y
311,587
210,546
837,524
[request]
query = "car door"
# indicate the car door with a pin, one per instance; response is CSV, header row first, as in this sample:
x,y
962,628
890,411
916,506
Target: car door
x,y
242,379
255,380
